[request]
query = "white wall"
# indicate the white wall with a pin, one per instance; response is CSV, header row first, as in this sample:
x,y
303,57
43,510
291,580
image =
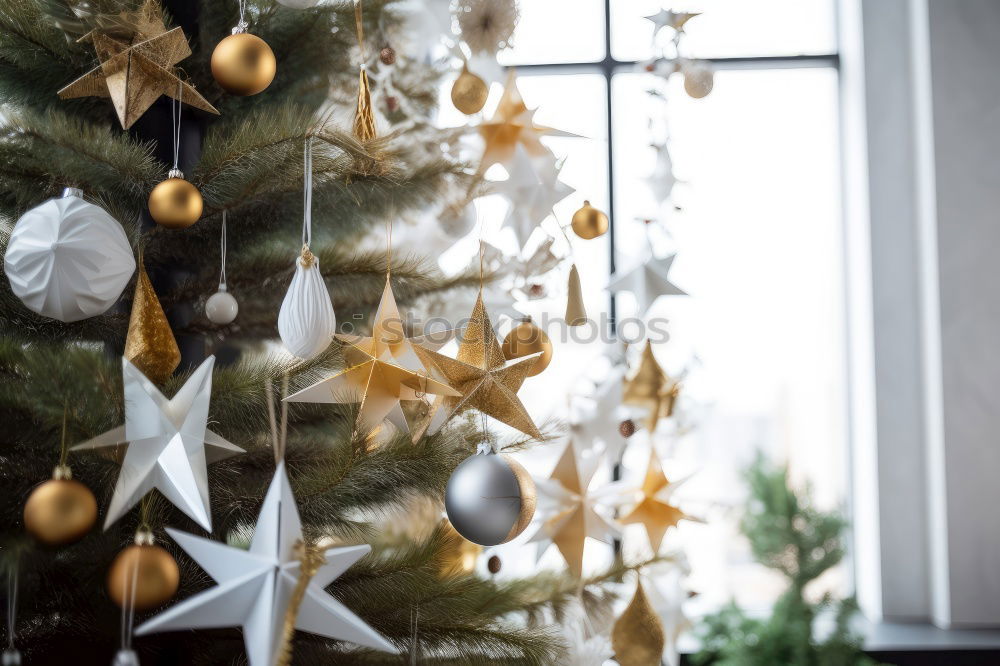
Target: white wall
x,y
922,161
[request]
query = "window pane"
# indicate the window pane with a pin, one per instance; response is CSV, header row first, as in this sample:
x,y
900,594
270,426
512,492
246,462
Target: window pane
x,y
758,242
729,28
552,31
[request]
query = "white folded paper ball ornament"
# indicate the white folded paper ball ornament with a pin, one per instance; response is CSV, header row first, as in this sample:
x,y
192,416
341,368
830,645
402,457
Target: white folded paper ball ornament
x,y
306,322
68,259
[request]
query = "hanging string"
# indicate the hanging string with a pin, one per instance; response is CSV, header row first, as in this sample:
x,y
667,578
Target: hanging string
x,y
175,115
388,248
307,171
128,607
414,625
307,174
242,25
359,28
11,603
222,250
278,437
62,445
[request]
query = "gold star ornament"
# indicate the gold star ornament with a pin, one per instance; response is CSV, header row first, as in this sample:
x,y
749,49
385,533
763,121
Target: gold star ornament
x,y
483,377
382,370
513,124
654,510
137,55
650,387
576,519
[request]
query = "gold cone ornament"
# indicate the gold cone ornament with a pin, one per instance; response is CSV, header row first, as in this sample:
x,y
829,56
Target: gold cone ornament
x,y
576,314
150,344
653,511
137,56
61,510
364,117
243,64
482,376
153,570
526,339
589,223
638,637
469,92
175,203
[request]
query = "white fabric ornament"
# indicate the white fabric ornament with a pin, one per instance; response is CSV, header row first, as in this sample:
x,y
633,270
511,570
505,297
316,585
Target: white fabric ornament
x,y
256,585
306,321
68,259
169,444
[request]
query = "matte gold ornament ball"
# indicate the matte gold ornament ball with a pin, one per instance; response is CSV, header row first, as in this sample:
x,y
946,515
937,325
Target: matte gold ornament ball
x,y
155,573
175,204
469,93
589,222
60,511
525,339
243,64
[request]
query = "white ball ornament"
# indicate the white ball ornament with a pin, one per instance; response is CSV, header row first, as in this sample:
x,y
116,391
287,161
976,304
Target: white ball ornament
x,y
221,308
68,259
299,4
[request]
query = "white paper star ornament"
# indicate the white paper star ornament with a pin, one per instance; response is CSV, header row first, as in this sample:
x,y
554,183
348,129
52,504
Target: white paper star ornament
x,y
647,282
169,444
533,188
255,586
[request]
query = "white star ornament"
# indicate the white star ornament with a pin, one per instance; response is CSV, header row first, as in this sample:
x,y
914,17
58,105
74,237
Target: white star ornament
x,y
169,444
255,586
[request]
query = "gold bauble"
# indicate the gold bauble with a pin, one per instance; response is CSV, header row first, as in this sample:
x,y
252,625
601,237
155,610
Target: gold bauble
x,y
469,93
155,573
638,637
175,203
698,81
243,64
526,339
589,222
60,511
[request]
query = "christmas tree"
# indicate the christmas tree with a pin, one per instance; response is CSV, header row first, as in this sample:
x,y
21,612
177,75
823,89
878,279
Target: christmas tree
x,y
790,535
102,96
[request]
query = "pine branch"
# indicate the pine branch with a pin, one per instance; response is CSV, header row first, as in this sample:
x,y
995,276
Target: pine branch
x,y
42,153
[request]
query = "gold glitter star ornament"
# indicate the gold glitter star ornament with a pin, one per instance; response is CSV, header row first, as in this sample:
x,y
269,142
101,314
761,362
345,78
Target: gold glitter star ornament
x,y
137,55
482,376
382,370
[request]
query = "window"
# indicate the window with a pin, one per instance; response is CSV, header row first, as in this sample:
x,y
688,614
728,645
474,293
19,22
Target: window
x,y
755,221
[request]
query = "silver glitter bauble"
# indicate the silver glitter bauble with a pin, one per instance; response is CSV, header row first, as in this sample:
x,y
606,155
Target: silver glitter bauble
x,y
490,499
221,308
126,658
